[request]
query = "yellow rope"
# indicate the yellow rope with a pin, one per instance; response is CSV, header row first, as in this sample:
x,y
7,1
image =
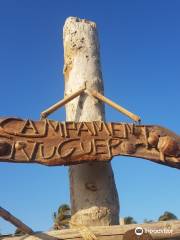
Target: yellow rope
x,y
85,232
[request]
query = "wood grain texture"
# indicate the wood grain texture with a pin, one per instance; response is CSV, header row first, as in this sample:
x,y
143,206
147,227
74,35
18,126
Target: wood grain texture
x,y
66,143
158,231
92,202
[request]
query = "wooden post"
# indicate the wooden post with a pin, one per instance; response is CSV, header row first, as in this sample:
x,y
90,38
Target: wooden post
x,y
94,198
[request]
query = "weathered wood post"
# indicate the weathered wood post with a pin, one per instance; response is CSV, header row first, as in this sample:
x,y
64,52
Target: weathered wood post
x,y
94,198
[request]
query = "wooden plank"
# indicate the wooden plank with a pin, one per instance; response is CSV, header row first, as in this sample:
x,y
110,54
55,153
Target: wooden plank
x,y
65,143
157,230
15,221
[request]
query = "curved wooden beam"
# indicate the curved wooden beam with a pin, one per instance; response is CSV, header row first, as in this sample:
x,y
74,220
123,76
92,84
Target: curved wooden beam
x,y
65,143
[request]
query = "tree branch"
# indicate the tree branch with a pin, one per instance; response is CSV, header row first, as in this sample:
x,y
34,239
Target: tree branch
x,y
15,221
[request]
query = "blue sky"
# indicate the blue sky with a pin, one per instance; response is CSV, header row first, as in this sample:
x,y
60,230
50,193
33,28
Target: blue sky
x,y
140,57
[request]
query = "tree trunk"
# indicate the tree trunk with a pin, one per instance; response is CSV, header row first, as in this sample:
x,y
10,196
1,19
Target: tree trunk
x,y
94,198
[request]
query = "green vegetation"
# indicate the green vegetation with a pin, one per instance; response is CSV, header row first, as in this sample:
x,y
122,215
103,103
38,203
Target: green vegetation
x,y
62,217
167,216
129,220
18,232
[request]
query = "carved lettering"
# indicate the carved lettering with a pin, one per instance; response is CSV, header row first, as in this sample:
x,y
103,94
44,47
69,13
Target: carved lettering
x,y
13,126
100,126
45,155
22,146
91,128
130,128
5,121
113,143
22,132
54,143
69,126
83,127
125,132
119,130
100,146
12,154
29,125
56,126
67,152
89,146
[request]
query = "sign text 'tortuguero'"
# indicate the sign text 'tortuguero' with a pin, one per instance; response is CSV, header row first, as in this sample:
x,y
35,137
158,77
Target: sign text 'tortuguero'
x,y
65,143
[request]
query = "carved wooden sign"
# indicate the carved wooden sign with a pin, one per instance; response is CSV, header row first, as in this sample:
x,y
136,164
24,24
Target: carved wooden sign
x,y
65,143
